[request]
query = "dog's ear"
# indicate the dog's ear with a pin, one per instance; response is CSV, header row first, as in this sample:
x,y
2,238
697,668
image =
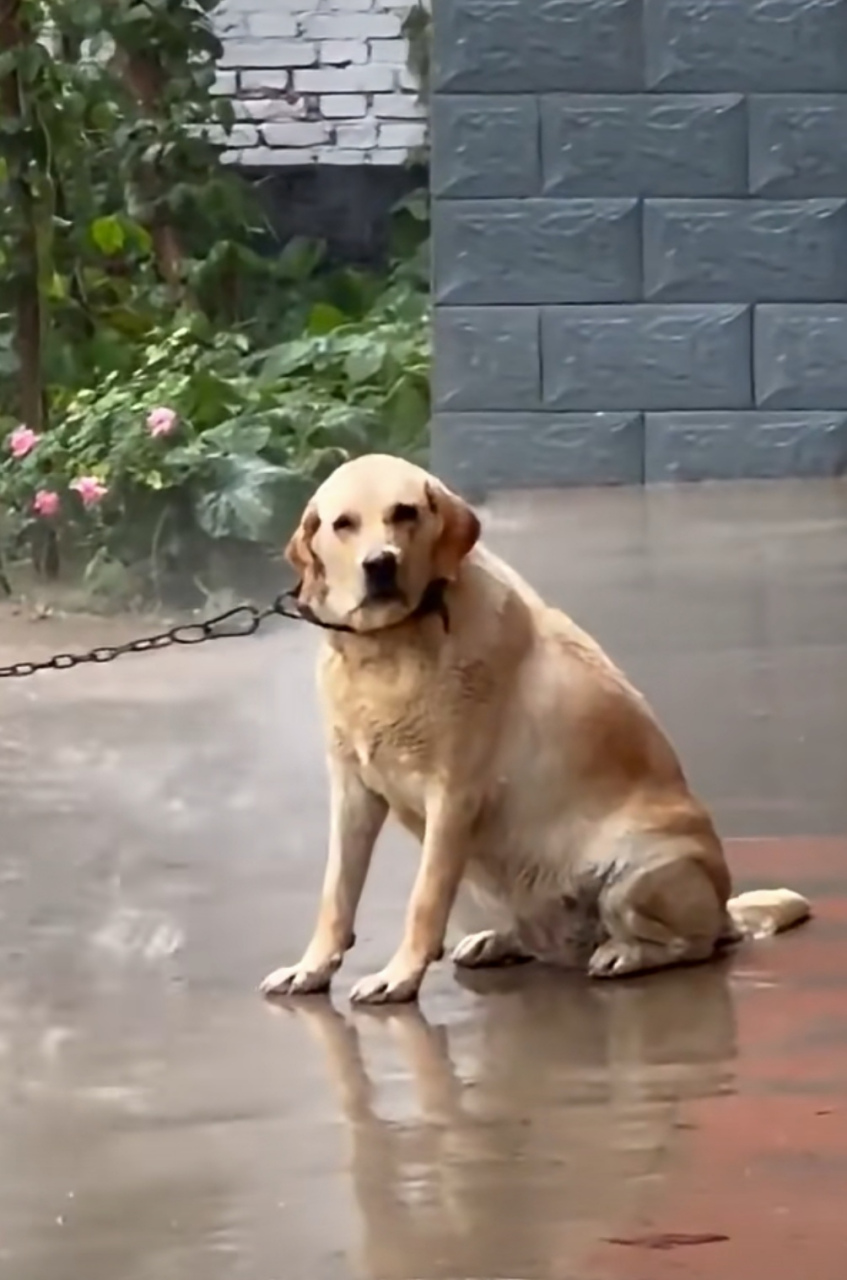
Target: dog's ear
x,y
460,529
299,553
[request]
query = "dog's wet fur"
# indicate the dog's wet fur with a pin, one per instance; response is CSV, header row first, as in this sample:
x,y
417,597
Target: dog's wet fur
x,y
535,776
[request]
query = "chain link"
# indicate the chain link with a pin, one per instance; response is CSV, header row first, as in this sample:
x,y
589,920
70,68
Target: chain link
x,y
243,620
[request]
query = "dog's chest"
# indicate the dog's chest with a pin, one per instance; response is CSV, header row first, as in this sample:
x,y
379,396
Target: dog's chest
x,y
381,718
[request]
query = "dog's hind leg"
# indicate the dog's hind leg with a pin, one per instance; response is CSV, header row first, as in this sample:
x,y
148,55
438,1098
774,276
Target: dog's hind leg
x,y
658,916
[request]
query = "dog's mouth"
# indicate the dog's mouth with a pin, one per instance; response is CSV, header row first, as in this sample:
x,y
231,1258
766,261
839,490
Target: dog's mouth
x,y
431,602
383,593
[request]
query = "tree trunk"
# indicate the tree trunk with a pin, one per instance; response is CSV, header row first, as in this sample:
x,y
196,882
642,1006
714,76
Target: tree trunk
x,y
144,78
27,298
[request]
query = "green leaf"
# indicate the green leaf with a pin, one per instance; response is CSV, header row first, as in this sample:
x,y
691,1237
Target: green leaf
x,y
300,259
246,501
57,288
406,235
224,112
140,12
239,437
102,115
188,455
350,428
211,396
137,235
407,411
352,290
131,323
233,513
365,362
416,203
324,318
9,363
108,234
287,358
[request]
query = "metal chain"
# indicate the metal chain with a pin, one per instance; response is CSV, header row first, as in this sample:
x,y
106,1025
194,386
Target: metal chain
x,y
243,620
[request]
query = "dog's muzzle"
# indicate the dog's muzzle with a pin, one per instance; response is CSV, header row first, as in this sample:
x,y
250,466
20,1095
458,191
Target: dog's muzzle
x,y
381,584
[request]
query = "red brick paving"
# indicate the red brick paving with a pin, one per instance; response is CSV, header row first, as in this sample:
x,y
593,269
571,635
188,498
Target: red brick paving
x,y
766,1166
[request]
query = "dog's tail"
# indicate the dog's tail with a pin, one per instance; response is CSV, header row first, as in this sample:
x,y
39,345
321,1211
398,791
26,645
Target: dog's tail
x,y
763,912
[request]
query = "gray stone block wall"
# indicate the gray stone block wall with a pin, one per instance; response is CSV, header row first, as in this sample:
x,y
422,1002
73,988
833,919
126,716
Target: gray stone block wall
x,y
640,240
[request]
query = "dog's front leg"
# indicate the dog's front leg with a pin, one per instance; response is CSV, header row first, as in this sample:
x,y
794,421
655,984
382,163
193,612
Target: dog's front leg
x,y
443,859
357,816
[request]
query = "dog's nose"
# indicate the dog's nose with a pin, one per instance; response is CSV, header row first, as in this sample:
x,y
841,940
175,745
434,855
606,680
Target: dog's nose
x,y
381,572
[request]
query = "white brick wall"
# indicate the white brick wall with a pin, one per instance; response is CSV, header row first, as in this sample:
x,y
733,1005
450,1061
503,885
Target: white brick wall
x,y
319,81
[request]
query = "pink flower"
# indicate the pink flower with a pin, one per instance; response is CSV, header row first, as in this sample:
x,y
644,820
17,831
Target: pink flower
x,y
90,489
22,441
46,503
161,421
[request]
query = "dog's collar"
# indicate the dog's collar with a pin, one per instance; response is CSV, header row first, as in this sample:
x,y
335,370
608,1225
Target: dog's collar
x,y
431,602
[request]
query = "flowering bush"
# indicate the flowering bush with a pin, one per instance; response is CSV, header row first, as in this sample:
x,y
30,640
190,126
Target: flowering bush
x,y
209,439
22,441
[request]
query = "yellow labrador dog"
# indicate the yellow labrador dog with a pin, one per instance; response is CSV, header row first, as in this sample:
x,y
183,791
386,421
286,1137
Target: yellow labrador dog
x,y
507,742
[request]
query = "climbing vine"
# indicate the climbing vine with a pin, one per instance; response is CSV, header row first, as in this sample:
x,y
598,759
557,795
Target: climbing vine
x,y
106,160
417,29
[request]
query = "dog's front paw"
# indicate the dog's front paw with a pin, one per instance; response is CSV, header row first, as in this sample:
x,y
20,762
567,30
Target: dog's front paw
x,y
395,984
299,979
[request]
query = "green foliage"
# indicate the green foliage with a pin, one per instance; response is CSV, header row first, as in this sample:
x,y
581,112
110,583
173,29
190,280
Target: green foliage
x,y
136,275
247,432
107,141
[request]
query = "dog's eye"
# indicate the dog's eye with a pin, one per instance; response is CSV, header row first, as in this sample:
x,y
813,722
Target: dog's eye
x,y
343,524
404,513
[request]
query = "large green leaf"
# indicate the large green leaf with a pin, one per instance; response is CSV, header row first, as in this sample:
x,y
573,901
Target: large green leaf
x,y
407,410
237,436
352,290
324,318
247,499
365,360
209,396
239,506
287,358
300,258
416,203
108,234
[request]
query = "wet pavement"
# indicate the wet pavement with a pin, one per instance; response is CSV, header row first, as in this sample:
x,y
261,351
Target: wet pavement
x,y
161,845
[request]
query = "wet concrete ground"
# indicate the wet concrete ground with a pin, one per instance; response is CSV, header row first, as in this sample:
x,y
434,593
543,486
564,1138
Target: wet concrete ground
x,y
161,844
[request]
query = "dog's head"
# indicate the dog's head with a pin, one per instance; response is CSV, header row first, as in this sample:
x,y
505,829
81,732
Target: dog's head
x,y
375,536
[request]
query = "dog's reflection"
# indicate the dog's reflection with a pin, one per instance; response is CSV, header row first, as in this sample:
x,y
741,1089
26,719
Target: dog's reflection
x,y
540,1122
